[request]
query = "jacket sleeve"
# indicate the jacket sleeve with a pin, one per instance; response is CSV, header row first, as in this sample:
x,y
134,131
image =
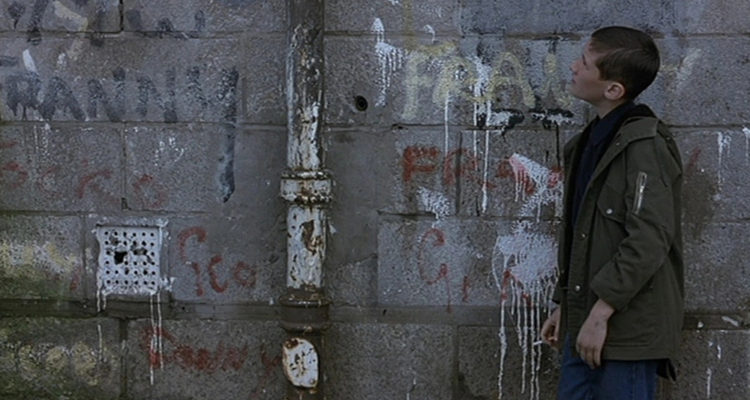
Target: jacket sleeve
x,y
649,224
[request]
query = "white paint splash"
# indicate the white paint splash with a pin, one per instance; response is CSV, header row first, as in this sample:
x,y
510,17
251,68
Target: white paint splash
x,y
434,202
446,113
429,29
731,321
28,61
484,72
724,143
390,59
685,70
61,11
156,334
524,268
746,131
80,24
709,374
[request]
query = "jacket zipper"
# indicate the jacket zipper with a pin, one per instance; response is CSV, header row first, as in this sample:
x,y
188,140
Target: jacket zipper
x,y
640,188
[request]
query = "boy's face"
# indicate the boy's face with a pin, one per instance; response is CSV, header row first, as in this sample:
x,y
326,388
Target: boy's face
x,y
586,83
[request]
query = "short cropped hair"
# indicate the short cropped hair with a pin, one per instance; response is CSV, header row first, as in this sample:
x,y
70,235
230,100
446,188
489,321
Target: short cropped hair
x,y
628,56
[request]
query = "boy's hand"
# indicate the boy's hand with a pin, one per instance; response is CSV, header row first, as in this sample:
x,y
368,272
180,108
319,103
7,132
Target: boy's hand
x,y
590,341
551,328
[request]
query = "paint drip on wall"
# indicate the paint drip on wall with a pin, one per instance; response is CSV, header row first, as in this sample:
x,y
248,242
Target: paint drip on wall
x,y
390,59
524,268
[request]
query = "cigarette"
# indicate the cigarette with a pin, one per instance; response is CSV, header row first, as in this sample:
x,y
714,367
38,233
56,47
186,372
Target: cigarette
x,y
537,343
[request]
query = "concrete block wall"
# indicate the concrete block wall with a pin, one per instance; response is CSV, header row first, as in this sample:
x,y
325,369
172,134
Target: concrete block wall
x,y
443,123
448,186
141,113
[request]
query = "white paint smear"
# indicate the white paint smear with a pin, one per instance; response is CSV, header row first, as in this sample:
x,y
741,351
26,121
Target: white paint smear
x,y
79,22
731,321
434,202
524,268
28,61
724,143
429,29
390,59
685,70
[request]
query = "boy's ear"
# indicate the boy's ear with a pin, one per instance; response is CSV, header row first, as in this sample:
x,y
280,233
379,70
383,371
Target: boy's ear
x,y
615,91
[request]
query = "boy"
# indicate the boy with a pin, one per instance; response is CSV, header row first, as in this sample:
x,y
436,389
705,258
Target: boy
x,y
620,286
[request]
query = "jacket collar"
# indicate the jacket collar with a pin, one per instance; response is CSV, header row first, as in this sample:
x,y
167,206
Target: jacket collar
x,y
638,123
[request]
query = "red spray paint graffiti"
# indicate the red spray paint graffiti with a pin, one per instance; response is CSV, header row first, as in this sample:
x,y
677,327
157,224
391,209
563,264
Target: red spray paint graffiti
x,y
222,358
242,274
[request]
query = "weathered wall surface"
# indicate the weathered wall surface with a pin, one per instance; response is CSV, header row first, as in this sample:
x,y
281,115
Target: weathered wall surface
x,y
443,127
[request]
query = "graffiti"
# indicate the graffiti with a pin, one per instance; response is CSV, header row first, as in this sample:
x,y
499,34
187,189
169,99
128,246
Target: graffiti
x,y
36,13
25,89
223,358
35,262
90,182
86,364
435,238
164,26
270,364
150,193
484,82
163,349
524,266
419,163
241,274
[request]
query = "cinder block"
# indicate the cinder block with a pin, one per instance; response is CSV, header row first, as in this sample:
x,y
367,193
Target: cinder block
x,y
37,18
227,260
464,262
178,168
407,17
713,365
40,257
530,372
203,359
694,86
712,17
355,161
715,184
716,268
145,80
542,17
389,361
61,168
448,82
49,358
199,17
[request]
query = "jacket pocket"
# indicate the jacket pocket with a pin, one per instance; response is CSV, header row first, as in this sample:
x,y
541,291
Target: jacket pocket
x,y
609,224
635,325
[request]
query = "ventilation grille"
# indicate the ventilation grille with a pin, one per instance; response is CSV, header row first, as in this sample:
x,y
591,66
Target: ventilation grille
x,y
129,260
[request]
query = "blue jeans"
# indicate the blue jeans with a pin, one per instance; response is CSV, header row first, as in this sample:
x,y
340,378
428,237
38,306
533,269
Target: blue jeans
x,y
613,380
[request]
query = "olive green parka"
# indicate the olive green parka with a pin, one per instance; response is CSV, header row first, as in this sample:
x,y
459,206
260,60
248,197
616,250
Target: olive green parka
x,y
626,246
